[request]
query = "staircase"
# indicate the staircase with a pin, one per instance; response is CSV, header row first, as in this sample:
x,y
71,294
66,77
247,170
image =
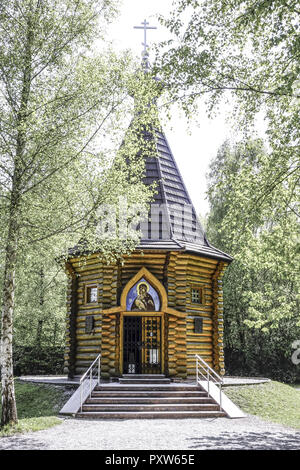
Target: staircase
x,y
150,396
153,396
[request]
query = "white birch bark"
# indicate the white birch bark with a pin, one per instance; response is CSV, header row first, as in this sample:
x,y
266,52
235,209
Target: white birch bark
x,y
9,409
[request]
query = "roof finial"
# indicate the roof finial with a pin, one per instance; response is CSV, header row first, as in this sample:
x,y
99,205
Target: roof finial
x,y
145,52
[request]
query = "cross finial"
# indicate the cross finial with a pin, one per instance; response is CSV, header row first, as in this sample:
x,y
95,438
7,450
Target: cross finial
x,y
145,27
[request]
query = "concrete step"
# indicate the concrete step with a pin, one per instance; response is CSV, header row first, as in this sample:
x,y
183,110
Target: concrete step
x,y
148,393
148,400
143,376
150,414
147,387
142,398
143,380
149,407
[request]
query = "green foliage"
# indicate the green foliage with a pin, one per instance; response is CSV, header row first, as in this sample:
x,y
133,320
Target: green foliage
x,y
37,360
40,299
64,107
38,406
273,401
261,236
250,49
261,286
61,123
246,53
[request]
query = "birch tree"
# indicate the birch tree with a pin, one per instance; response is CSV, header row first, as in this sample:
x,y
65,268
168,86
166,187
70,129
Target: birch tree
x,y
261,286
58,105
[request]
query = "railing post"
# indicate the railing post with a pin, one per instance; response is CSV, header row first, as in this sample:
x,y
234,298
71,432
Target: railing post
x,y
89,375
207,373
208,381
99,370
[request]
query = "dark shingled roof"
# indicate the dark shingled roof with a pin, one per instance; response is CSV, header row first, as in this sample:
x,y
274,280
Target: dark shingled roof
x,y
173,224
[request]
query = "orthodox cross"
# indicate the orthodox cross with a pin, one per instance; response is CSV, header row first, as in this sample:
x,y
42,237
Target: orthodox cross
x,y
145,27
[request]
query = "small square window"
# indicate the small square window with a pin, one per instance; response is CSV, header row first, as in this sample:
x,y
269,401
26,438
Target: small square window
x,y
196,296
91,294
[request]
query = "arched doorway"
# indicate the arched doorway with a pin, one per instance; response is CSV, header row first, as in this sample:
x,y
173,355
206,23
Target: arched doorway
x,y
142,341
143,302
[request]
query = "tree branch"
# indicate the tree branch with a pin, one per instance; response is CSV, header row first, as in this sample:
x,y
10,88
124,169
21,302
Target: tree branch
x,y
74,157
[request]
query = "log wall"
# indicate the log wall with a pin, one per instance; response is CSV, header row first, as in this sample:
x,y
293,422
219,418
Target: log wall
x,y
178,272
218,326
199,275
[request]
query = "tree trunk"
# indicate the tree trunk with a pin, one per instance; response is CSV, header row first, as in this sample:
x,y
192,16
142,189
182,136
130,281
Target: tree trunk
x,y
9,409
42,300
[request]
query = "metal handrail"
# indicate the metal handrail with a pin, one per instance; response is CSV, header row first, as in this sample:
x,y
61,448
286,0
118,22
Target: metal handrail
x,y
218,377
209,375
90,372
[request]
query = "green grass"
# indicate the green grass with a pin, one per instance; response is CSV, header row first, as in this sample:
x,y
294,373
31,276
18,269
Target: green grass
x,y
37,407
272,401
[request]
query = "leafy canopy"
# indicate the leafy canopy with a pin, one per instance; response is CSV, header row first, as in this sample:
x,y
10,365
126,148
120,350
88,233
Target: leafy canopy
x,y
264,242
261,286
62,109
247,52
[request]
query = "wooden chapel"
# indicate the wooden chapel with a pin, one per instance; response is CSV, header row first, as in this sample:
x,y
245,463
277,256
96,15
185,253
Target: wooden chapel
x,y
163,305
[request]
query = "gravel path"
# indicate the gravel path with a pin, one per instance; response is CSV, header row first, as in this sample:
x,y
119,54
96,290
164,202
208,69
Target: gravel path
x,y
186,434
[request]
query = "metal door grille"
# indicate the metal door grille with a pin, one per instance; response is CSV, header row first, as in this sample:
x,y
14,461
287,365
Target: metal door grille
x,y
142,345
151,346
132,345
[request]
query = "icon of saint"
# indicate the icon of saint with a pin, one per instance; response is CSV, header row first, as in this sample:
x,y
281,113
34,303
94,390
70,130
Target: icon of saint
x,y
144,301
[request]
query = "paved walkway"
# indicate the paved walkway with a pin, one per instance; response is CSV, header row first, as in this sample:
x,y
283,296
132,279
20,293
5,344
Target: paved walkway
x,y
63,380
187,434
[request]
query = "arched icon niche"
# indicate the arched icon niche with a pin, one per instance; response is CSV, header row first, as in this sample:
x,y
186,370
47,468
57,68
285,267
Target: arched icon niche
x,y
142,297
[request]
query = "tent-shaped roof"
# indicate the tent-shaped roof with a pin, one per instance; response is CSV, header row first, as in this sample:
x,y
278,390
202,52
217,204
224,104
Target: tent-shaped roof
x,y
172,223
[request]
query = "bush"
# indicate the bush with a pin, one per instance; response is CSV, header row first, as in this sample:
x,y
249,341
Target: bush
x,y
262,363
38,360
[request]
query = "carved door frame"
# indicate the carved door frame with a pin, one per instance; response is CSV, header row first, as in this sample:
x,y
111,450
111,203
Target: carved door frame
x,y
164,311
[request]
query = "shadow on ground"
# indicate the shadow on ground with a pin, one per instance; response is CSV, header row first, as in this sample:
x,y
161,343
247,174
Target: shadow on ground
x,y
250,440
20,443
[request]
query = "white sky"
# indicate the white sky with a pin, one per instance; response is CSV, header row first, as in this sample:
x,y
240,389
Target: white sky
x,y
192,150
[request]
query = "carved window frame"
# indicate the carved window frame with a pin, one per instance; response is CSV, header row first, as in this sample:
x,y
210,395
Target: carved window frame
x,y
201,294
86,293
